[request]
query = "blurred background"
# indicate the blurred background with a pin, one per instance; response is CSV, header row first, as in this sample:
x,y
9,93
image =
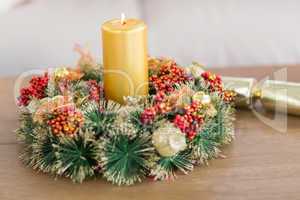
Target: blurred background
x,y
229,33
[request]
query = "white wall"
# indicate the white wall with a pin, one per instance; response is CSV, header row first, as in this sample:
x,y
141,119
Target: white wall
x,y
43,34
214,32
225,32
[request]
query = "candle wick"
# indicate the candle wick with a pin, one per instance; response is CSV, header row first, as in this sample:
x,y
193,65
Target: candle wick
x,y
123,19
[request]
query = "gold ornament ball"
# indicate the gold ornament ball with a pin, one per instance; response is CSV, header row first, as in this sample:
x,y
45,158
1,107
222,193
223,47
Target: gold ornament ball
x,y
196,70
202,98
60,73
168,140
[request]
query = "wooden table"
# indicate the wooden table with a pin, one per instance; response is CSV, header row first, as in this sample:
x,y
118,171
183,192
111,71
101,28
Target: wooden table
x,y
262,163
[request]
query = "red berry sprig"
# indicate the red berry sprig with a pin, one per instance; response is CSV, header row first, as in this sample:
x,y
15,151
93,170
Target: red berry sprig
x,y
159,97
167,76
36,89
215,82
148,115
25,96
163,108
94,90
160,107
65,121
190,122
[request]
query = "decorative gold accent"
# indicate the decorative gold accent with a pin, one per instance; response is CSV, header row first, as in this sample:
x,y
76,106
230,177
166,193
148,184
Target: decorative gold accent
x,y
201,97
256,93
242,87
168,140
279,96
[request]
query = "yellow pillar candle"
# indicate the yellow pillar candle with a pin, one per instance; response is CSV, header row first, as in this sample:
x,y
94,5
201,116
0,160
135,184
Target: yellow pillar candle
x,y
124,58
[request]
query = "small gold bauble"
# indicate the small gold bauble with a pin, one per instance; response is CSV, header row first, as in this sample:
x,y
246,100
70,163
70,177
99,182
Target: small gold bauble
x,y
202,98
60,73
168,140
196,70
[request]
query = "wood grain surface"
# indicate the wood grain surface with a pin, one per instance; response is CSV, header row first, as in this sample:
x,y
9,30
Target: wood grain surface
x,y
262,163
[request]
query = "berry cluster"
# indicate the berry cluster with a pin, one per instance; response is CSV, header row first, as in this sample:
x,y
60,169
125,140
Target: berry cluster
x,y
229,96
164,107
159,97
94,90
66,120
36,89
148,115
215,82
190,121
167,76
160,107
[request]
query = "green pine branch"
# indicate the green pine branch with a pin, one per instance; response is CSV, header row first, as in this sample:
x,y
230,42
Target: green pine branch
x,y
44,152
166,167
124,160
78,156
101,118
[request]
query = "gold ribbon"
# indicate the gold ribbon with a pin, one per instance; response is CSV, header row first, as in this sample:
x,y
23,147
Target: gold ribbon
x,y
279,96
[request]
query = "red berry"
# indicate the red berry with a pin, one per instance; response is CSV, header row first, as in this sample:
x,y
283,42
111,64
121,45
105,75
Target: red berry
x,y
64,122
190,121
95,90
167,77
214,81
148,115
36,89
